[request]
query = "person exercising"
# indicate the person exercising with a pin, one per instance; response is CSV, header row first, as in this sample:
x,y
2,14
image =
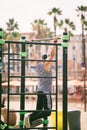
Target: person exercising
x,y
44,101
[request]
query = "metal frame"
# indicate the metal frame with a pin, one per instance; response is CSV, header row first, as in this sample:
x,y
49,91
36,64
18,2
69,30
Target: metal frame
x,y
22,94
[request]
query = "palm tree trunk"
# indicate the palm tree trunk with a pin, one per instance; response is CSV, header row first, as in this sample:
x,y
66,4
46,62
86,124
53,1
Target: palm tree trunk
x,y
84,65
55,25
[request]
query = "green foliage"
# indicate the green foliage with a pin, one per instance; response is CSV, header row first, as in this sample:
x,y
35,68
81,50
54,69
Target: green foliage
x,y
60,23
70,24
85,23
12,25
81,13
81,8
55,11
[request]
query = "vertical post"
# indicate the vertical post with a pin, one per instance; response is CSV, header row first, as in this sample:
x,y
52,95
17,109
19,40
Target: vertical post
x,y
22,102
56,88
1,43
8,92
65,45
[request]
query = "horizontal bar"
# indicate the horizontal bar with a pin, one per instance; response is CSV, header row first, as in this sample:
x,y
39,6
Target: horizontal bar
x,y
30,77
10,53
32,60
30,110
36,128
30,94
33,43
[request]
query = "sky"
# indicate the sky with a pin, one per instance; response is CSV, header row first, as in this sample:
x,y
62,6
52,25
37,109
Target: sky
x,y
26,11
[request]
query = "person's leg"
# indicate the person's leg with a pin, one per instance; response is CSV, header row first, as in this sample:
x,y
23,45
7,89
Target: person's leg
x,y
33,116
43,102
39,106
45,105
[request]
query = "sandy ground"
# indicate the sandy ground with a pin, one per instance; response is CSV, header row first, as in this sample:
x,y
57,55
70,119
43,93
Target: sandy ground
x,y
30,104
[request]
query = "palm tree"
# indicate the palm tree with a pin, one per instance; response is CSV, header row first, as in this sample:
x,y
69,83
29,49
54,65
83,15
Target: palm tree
x,y
12,28
42,31
40,27
69,26
37,27
12,25
55,12
66,25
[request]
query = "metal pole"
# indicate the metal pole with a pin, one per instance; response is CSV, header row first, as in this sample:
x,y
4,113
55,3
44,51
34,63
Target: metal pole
x,y
1,64
0,70
65,45
56,87
22,98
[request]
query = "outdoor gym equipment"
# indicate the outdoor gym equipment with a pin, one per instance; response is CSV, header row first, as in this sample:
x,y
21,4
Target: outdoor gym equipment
x,y
22,94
